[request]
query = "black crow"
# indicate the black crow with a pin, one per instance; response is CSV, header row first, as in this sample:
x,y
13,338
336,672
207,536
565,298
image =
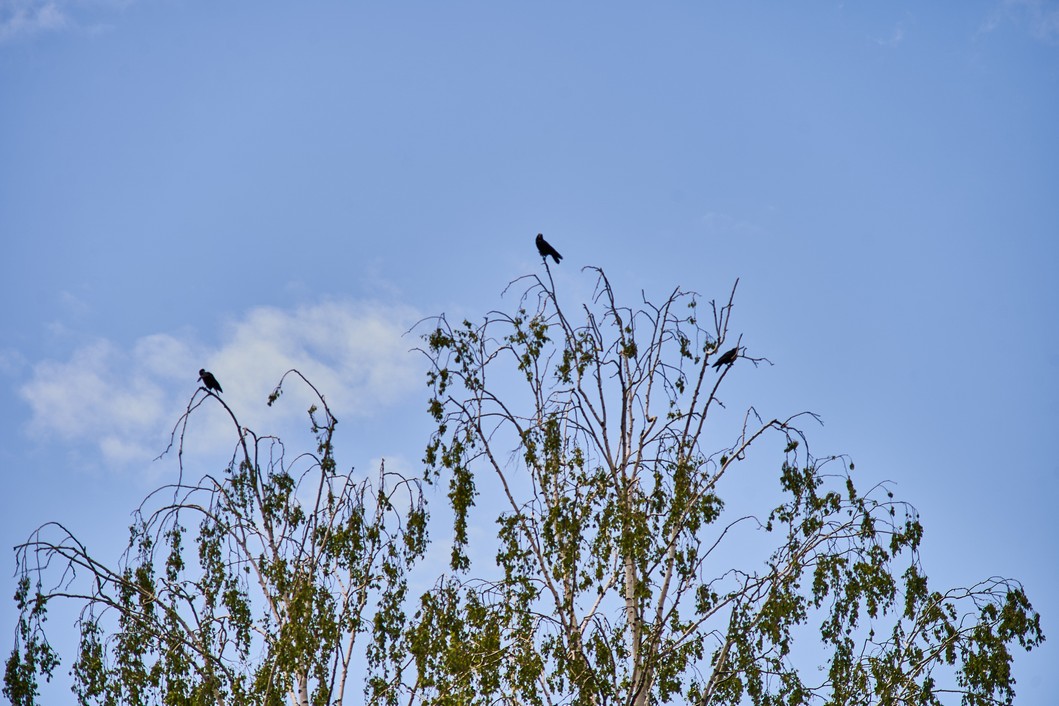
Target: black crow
x,y
545,249
728,358
209,381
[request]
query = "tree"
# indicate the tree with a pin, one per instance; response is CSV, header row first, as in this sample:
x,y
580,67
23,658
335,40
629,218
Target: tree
x,y
646,551
629,567
293,565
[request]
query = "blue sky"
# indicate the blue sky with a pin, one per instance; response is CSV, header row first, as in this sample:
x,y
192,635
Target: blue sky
x,y
250,186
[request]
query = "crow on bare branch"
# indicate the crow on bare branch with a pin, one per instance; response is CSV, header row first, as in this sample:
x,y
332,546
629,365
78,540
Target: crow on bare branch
x,y
727,358
545,249
209,381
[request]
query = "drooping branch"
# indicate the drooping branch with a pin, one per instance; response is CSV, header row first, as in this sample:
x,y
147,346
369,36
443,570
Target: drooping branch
x,y
294,562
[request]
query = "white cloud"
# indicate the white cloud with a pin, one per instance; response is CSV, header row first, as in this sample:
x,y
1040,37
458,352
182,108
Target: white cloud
x,y
95,392
125,401
356,355
23,17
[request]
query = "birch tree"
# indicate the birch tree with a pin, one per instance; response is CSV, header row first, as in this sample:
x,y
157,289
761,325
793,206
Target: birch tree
x,y
655,546
292,581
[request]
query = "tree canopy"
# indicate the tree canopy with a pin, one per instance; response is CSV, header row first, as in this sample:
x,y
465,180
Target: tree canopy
x,y
295,575
649,544
618,503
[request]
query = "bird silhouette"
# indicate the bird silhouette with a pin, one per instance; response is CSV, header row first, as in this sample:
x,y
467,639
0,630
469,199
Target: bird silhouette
x,y
545,249
209,381
727,358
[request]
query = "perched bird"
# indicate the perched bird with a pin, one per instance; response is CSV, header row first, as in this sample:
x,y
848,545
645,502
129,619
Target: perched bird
x,y
209,381
545,249
727,358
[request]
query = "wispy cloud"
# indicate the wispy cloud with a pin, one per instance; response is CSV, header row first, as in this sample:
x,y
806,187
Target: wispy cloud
x,y
895,38
11,361
125,401
1039,17
724,224
26,18
1043,18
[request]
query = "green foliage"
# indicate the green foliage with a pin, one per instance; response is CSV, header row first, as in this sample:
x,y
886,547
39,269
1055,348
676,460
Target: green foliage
x,y
630,565
292,566
608,587
32,654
